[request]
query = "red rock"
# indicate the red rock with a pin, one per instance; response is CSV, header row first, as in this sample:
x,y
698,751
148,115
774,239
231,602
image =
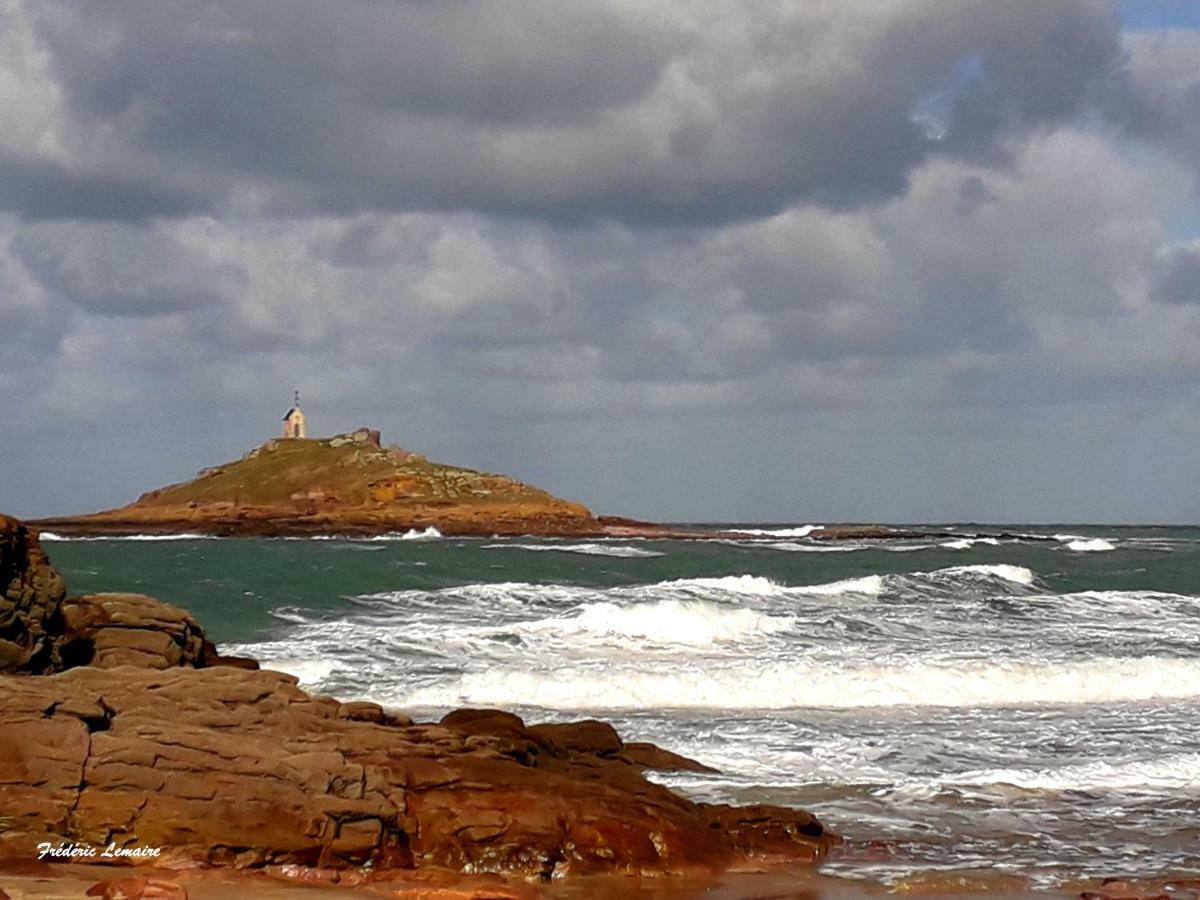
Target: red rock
x,y
1120,889
241,768
588,736
649,756
138,889
483,721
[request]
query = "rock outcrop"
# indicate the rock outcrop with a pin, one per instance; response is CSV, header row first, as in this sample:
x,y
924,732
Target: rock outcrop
x,y
244,768
138,742
43,631
33,592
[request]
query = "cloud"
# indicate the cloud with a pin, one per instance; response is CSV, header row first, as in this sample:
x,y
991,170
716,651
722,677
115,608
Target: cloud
x,y
679,112
118,269
1179,279
1162,101
682,260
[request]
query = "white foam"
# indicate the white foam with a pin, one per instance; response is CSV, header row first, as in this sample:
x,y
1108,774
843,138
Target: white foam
x,y
310,671
1015,574
968,543
1092,545
745,686
794,547
615,550
52,536
1177,773
758,586
729,584
801,531
695,623
870,585
426,534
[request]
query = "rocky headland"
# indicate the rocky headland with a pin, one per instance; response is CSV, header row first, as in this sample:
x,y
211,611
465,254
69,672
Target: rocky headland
x,y
125,738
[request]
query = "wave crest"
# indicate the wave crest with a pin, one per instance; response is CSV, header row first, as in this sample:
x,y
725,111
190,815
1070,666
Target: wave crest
x,y
782,686
615,550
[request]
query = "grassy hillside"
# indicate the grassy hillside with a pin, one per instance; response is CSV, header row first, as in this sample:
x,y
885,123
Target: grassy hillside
x,y
349,470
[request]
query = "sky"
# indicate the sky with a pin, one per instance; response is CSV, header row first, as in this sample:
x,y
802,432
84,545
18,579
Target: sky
x,y
748,260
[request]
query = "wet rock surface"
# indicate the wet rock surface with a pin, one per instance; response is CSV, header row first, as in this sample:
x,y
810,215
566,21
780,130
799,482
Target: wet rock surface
x,y
242,768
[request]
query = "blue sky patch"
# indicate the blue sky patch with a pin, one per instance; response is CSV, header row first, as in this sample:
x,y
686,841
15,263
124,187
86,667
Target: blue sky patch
x,y
1150,15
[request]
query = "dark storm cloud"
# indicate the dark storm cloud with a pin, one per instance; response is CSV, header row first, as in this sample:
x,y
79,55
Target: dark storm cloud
x,y
116,269
673,112
47,190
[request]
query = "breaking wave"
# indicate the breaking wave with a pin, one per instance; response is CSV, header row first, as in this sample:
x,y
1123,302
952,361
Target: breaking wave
x,y
968,543
615,550
52,536
798,532
1014,574
691,622
1174,774
1090,545
782,686
413,534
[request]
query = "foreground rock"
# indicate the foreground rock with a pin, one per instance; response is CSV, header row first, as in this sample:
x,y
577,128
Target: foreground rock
x,y
243,768
43,631
132,741
31,596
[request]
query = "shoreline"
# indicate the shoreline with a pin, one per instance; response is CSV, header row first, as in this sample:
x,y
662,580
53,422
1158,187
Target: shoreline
x,y
603,527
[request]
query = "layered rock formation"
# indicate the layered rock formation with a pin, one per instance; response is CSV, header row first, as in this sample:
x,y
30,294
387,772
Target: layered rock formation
x,y
139,741
348,484
244,768
30,606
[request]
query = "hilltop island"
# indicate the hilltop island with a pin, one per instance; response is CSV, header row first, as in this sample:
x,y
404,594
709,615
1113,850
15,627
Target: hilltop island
x,y
346,484
351,484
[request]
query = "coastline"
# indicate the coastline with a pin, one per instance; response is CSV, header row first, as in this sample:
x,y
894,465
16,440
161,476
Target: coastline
x,y
270,525
122,727
776,878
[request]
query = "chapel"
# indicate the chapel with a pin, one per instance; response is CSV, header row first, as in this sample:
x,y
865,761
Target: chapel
x,y
293,422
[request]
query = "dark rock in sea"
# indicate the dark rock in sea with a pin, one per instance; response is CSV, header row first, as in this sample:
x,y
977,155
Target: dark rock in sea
x,y
139,741
33,591
651,756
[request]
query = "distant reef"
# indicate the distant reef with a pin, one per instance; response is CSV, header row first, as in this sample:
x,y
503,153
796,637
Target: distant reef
x,y
346,484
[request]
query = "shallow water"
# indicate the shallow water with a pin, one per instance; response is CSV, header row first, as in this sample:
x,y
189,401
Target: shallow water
x,y
1021,704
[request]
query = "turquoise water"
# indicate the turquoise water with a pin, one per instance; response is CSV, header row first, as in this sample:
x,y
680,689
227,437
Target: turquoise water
x,y
1025,699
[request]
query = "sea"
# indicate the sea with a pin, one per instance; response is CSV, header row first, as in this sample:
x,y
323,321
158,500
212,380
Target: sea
x,y
1014,699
